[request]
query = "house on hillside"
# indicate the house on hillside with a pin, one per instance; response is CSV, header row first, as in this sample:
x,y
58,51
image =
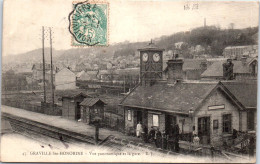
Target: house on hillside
x,y
80,67
37,70
65,79
246,69
237,52
79,74
107,75
89,76
213,109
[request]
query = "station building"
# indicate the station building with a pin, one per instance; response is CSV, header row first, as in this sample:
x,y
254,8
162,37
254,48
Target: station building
x,y
212,108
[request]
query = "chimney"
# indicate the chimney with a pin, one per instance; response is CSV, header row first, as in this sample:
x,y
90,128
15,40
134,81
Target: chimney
x,y
174,70
228,70
203,65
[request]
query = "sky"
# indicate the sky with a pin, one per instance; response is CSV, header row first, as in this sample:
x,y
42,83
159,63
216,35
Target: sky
x,y
128,20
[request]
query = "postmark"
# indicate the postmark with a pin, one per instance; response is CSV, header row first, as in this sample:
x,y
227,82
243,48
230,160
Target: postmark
x,y
88,24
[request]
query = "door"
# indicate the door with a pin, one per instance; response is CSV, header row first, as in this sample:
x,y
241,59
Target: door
x,y
204,129
78,113
170,121
139,116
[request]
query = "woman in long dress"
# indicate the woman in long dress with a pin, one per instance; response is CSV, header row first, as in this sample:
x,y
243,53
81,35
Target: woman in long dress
x,y
139,129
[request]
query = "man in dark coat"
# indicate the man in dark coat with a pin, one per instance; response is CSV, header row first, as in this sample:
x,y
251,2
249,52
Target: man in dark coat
x,y
145,133
164,140
176,137
151,135
158,138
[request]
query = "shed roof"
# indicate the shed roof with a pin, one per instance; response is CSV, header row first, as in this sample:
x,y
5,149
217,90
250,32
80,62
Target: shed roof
x,y
91,101
216,69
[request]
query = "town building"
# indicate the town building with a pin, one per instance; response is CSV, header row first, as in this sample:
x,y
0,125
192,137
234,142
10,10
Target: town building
x,y
243,69
92,109
65,79
237,52
79,74
107,75
89,76
37,70
211,108
80,67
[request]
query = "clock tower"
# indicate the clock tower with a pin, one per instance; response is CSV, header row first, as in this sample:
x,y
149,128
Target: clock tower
x,y
151,64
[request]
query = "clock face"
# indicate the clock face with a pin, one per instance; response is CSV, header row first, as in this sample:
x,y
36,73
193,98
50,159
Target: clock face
x,y
145,57
156,57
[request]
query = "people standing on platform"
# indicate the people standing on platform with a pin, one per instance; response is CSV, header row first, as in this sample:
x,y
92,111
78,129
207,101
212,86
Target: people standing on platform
x,y
196,139
164,140
139,129
176,137
193,135
158,138
171,139
151,134
145,133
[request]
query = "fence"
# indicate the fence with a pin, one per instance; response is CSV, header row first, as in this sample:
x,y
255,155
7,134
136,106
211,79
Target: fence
x,y
32,107
113,121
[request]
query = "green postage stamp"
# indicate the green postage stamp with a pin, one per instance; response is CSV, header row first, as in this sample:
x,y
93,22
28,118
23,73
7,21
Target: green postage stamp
x,y
88,24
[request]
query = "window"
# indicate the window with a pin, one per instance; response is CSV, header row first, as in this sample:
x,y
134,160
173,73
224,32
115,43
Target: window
x,y
155,120
227,123
129,116
250,120
215,124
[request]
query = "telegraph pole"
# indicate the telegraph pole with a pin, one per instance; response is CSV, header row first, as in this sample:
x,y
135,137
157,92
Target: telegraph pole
x,y
43,65
52,89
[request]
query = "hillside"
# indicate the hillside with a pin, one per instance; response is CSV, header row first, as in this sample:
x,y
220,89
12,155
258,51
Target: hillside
x,y
212,38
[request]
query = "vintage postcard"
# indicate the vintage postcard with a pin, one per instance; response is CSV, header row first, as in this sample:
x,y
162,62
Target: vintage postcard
x,y
129,81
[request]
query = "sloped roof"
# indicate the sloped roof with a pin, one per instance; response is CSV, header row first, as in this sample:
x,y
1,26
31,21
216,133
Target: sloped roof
x,y
72,93
90,101
108,72
192,64
89,75
179,98
216,69
80,73
246,46
49,72
39,66
182,97
129,71
65,71
150,46
245,92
